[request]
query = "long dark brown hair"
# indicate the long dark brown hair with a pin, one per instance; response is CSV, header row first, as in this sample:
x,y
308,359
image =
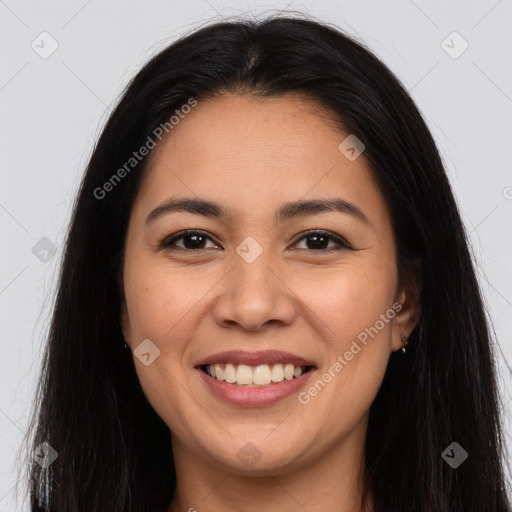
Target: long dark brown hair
x,y
114,451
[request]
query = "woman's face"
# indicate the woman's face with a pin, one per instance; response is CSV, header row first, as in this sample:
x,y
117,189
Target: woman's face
x,y
253,282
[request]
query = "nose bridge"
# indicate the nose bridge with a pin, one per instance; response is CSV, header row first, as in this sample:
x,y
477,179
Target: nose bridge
x,y
253,281
253,294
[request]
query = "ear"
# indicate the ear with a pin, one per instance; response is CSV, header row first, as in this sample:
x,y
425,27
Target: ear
x,y
124,320
409,296
124,317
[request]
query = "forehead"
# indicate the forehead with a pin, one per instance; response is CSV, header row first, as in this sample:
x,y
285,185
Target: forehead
x,y
250,153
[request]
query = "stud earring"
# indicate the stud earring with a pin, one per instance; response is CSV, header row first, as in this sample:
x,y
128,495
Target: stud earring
x,y
405,342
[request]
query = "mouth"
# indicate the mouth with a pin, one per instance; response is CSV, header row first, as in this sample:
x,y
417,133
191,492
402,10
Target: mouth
x,y
243,375
255,378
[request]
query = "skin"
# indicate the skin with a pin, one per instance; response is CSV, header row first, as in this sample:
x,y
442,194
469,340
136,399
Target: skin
x,y
251,156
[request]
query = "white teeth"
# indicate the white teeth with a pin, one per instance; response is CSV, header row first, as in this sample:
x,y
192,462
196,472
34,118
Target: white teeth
x,y
288,371
261,375
244,374
219,372
230,374
277,373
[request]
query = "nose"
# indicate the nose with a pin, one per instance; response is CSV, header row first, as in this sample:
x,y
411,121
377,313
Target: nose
x,y
254,296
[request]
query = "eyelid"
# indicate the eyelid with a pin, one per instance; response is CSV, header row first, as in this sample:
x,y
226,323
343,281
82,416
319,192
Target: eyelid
x,y
342,243
168,241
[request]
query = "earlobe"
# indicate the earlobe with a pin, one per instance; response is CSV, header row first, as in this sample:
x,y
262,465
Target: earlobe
x,y
409,297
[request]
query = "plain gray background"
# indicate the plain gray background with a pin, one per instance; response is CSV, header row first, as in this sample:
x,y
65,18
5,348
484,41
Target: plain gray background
x,y
53,108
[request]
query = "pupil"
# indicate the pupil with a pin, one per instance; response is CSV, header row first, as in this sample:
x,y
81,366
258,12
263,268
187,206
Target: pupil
x,y
316,237
196,243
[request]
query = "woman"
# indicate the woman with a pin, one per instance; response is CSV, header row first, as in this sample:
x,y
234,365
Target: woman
x,y
267,299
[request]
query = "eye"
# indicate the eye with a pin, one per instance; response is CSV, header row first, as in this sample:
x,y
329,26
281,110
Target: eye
x,y
192,238
321,238
195,240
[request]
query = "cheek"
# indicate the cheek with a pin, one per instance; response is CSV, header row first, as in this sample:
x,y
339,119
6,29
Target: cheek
x,y
351,297
160,302
355,317
161,309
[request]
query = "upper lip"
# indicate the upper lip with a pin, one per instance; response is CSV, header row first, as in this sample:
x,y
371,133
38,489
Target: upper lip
x,y
269,357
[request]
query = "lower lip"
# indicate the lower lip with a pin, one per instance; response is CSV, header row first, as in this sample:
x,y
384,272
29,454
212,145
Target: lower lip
x,y
258,396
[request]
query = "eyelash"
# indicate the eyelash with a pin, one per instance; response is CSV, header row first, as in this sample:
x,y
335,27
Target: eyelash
x,y
168,242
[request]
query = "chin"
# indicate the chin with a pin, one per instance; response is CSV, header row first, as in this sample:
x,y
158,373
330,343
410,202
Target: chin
x,y
244,454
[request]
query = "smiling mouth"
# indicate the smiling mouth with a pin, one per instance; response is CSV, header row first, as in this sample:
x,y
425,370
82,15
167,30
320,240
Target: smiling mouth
x,y
263,375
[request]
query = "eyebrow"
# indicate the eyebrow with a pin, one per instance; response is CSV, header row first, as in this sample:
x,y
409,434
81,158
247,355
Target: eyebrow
x,y
287,211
